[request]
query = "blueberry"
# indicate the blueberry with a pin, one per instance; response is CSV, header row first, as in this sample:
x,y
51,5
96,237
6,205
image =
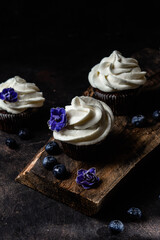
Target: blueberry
x,y
134,213
59,171
116,226
11,143
138,121
49,162
156,115
24,133
53,148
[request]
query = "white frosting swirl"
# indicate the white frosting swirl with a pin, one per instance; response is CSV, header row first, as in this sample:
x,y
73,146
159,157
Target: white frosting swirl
x,y
29,95
89,122
116,73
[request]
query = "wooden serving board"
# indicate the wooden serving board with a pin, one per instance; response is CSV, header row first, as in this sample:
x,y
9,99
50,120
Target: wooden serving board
x,y
126,147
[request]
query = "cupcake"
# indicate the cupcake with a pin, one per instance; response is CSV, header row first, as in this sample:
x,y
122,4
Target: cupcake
x,y
19,101
116,80
81,127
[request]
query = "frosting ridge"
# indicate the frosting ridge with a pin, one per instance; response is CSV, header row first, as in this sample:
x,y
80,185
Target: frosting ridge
x,y
116,73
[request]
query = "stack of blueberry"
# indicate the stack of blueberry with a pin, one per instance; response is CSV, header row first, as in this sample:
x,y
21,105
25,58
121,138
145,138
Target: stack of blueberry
x,y
50,162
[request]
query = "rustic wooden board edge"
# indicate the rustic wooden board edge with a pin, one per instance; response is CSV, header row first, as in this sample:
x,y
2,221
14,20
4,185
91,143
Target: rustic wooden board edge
x,y
26,176
89,208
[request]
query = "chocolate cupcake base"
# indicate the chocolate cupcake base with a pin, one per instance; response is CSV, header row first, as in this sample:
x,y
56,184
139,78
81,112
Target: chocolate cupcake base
x,y
121,103
11,123
84,152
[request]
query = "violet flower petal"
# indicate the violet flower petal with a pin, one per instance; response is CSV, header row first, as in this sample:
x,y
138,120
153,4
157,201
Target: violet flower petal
x,y
86,183
1,96
85,186
61,111
79,179
81,171
4,91
92,170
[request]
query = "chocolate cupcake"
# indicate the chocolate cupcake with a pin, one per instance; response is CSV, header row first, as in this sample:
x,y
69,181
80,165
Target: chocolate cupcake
x,y
19,101
81,127
117,80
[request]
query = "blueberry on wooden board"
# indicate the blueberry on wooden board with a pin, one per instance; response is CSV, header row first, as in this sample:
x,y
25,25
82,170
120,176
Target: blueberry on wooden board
x,y
53,148
49,162
59,171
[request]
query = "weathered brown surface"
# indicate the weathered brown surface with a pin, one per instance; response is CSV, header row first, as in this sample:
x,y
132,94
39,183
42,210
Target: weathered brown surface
x,y
126,147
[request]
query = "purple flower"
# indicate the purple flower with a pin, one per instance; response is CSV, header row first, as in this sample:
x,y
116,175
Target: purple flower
x,y
87,178
58,119
9,95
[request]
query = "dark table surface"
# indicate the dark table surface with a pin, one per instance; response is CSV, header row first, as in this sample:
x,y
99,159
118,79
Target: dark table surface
x,y
27,214
57,53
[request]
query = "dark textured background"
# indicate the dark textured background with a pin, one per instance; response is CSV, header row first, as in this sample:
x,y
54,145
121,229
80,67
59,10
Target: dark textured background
x,y
55,44
32,30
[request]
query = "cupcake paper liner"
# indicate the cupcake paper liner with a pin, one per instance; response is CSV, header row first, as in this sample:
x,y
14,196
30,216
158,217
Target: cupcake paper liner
x,y
84,152
11,123
121,103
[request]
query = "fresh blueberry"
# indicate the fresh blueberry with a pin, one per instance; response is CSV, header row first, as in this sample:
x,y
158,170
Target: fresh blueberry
x,y
116,226
134,213
139,121
49,162
53,148
59,171
24,133
156,115
11,143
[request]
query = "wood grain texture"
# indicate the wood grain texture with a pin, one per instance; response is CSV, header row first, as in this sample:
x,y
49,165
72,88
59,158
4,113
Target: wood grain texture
x,y
125,148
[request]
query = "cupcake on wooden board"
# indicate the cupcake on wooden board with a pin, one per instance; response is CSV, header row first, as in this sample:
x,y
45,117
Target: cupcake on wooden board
x,y
81,127
117,80
19,101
